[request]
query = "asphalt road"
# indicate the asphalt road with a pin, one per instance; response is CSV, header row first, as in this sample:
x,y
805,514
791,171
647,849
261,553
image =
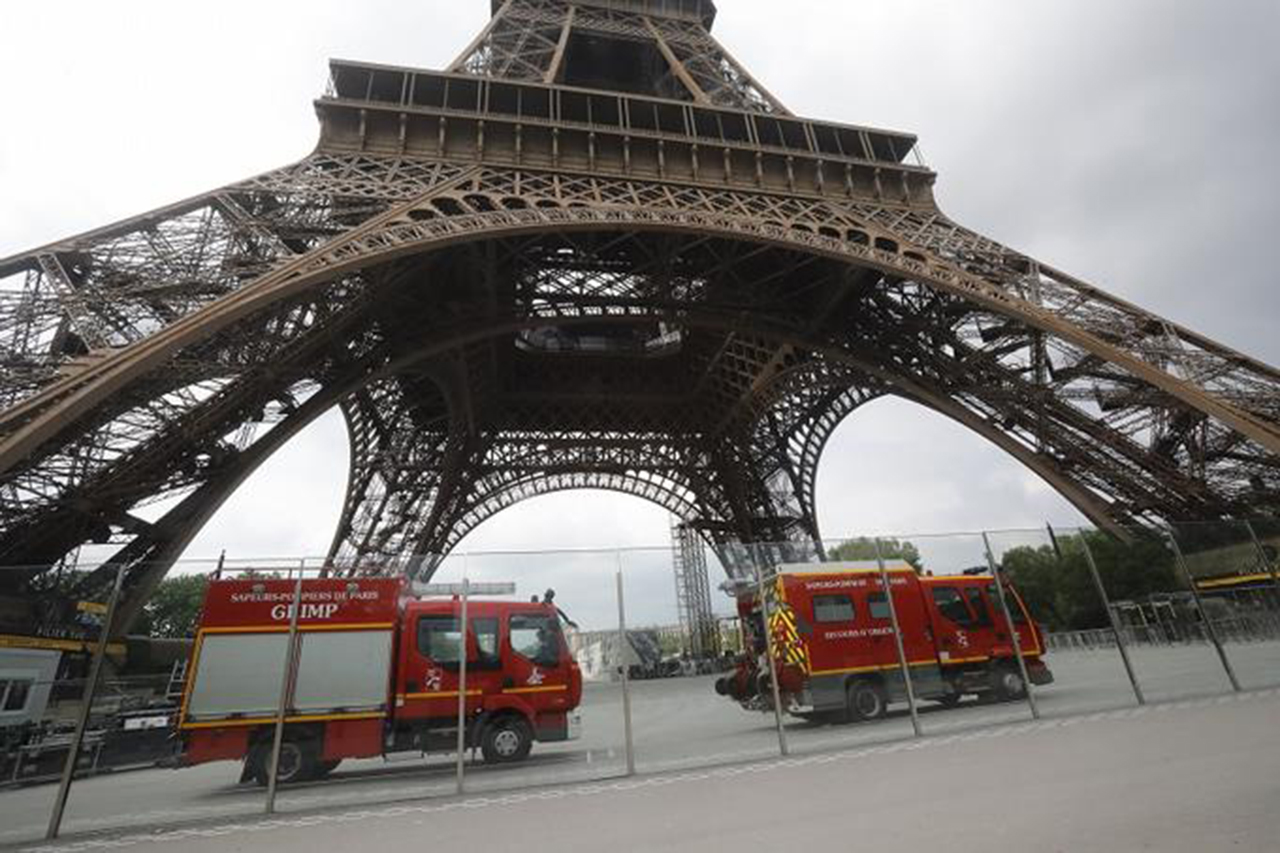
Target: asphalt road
x,y
1197,775
679,725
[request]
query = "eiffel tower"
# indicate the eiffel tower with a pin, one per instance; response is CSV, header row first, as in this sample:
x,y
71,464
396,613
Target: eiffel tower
x,y
593,252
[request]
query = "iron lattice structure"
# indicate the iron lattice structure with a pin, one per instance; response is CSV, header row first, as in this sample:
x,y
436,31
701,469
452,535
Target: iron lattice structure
x,y
593,252
699,629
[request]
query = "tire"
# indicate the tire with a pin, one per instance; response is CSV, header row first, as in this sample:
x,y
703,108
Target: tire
x,y
324,768
866,700
1009,686
298,762
949,700
506,740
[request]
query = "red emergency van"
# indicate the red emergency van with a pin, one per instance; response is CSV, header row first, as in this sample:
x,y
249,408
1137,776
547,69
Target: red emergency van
x,y
377,672
835,652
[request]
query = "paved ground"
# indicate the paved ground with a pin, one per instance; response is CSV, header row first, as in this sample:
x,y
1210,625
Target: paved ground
x,y
679,724
1193,776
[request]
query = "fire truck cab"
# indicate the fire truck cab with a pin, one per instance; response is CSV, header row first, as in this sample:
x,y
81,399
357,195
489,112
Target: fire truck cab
x,y
375,671
835,652
522,683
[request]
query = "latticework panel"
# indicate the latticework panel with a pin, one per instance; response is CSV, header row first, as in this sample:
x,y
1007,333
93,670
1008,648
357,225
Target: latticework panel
x,y
1094,406
71,303
531,40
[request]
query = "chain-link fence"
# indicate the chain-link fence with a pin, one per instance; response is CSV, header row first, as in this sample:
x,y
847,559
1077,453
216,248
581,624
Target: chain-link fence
x,y
242,687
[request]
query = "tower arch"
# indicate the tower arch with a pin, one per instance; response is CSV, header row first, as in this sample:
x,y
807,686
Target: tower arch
x,y
510,279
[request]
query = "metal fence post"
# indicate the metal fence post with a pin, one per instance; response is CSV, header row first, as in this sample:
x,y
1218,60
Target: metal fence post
x,y
1013,628
462,683
1204,615
286,687
897,637
1106,603
86,707
768,653
623,644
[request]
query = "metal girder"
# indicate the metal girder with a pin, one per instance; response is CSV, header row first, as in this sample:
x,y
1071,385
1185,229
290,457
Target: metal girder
x,y
509,301
907,298
527,39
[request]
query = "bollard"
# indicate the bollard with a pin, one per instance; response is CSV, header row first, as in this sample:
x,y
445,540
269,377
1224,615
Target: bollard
x,y
1106,603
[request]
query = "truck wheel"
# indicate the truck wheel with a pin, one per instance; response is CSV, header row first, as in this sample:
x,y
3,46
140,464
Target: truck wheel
x,y
298,763
1009,685
324,768
948,700
866,700
507,740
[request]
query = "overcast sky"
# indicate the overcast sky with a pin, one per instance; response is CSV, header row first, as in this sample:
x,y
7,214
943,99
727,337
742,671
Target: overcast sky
x,y
1131,143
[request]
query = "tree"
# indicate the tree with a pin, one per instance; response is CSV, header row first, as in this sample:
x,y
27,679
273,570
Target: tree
x,y
1059,591
864,548
257,575
1043,582
174,609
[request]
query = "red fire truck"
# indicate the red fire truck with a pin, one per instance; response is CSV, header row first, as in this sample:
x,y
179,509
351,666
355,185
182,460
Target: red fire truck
x,y
377,672
835,653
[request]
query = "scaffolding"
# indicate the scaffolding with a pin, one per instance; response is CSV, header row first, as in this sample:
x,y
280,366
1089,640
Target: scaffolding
x,y
698,626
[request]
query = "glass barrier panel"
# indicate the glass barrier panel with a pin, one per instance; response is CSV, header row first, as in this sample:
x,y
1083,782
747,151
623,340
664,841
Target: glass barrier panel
x,y
1080,666
1168,643
43,664
551,705
123,770
969,682
693,654
360,683
162,770
1233,564
127,776
835,650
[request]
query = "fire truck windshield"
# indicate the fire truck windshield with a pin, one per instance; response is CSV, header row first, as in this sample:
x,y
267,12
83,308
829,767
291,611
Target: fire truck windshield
x,y
536,637
1015,606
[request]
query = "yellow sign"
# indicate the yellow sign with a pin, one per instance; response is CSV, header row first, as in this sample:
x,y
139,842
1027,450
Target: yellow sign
x,y
12,641
91,607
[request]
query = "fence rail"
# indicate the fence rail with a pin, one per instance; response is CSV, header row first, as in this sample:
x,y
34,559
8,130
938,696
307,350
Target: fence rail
x,y
1237,629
